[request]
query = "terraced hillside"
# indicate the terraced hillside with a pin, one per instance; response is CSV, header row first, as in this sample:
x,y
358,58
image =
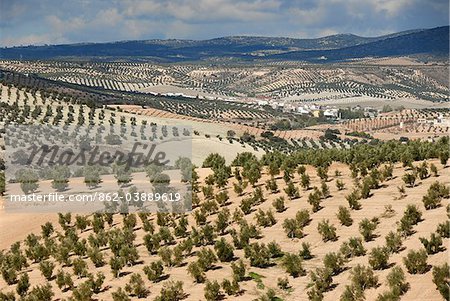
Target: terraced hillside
x,y
284,80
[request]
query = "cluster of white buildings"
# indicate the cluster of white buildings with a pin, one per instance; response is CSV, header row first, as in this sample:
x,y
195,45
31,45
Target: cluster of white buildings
x,y
302,108
440,120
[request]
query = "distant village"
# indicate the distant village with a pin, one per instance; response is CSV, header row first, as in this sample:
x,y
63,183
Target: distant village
x,y
314,109
301,108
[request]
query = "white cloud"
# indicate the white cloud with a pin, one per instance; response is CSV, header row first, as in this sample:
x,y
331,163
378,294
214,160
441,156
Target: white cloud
x,y
60,26
33,39
107,17
204,10
48,21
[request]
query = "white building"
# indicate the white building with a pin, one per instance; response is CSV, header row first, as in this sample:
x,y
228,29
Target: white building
x,y
330,113
263,102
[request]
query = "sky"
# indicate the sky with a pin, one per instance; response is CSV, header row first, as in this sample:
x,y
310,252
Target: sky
x,y
37,22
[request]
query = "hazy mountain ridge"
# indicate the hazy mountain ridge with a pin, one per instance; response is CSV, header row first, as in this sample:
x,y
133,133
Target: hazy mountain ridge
x,y
333,48
432,41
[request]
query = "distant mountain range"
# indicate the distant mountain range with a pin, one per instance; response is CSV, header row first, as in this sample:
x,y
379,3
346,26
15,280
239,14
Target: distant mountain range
x,y
333,48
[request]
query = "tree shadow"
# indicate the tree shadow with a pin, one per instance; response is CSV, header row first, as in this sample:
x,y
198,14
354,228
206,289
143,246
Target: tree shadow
x,y
122,274
215,268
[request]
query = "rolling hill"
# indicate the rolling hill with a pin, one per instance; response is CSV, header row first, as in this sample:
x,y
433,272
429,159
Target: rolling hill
x,y
334,48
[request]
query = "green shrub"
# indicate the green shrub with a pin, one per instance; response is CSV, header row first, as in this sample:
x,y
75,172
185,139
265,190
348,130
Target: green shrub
x,y
224,250
322,172
117,264
434,170
246,205
301,169
206,258
80,268
9,274
393,242
271,185
388,296
171,291
208,192
321,281
405,227
334,262
120,295
129,221
314,200
327,231
365,188
278,204
197,272
353,248
265,219
165,253
292,228
340,185
64,280
222,198
82,292
443,157
433,245
212,290
353,200
352,293
230,287
258,254
239,187
81,222
410,179
292,191
413,214
387,172
416,262
363,277
443,229
344,216
96,282
46,268
441,274
378,258
274,249
302,218
41,293
397,282
422,170
79,247
314,294
238,269
23,285
292,264
47,229
136,286
7,296
154,271
436,192
96,256
366,228
91,176
28,180
305,252
305,181
283,283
